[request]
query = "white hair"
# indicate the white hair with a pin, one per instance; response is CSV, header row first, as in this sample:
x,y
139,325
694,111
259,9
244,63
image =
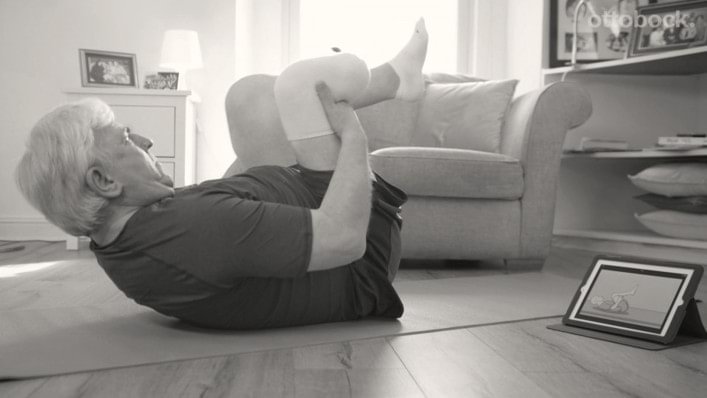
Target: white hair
x,y
59,152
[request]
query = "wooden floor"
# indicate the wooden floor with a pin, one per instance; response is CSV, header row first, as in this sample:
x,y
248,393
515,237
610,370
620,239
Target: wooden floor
x,y
517,359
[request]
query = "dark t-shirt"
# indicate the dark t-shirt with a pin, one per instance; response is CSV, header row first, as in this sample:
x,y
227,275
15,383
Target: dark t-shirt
x,y
233,253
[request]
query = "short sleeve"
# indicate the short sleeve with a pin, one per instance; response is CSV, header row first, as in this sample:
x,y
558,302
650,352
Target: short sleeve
x,y
219,237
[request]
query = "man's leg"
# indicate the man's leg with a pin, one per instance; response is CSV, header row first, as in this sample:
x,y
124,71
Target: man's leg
x,y
316,147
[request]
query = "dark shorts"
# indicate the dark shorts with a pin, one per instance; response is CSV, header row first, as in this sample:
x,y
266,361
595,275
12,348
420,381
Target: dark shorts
x,y
383,239
362,288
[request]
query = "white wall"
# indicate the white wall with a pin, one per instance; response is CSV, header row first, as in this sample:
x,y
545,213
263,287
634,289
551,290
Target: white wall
x,y
39,42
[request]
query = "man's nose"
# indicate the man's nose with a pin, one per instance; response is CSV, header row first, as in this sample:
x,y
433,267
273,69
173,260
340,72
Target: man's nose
x,y
143,142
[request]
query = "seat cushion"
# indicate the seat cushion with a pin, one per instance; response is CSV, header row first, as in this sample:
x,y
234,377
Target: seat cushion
x,y
453,173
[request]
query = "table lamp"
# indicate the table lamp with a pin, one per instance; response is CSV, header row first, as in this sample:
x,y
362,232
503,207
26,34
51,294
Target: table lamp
x,y
181,52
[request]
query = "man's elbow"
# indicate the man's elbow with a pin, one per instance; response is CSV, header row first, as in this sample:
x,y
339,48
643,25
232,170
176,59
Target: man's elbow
x,y
354,245
350,239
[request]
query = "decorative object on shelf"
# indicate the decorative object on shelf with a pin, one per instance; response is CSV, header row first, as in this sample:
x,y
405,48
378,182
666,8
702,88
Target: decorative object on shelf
x,y
666,27
181,52
162,81
589,30
108,69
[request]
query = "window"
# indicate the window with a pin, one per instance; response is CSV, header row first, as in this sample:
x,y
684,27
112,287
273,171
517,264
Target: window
x,y
375,30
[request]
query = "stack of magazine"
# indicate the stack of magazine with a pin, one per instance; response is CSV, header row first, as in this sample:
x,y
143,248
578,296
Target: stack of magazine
x,y
588,145
681,142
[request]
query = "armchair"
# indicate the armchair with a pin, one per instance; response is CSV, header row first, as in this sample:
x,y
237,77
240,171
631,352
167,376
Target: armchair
x,y
463,203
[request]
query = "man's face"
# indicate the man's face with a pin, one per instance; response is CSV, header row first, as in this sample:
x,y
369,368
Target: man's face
x,y
131,164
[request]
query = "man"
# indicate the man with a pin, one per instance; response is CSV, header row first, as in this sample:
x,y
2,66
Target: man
x,y
275,246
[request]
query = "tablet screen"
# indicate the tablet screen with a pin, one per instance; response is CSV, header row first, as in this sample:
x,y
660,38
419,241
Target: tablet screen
x,y
628,296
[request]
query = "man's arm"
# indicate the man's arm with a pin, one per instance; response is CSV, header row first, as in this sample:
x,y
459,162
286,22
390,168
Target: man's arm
x,y
340,224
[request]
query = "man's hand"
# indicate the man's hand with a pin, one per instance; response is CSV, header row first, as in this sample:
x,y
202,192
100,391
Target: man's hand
x,y
341,116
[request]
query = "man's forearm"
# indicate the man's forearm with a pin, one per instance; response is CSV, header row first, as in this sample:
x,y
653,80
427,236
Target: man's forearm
x,y
348,198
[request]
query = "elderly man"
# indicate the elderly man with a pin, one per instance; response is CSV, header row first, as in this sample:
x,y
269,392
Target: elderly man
x,y
276,246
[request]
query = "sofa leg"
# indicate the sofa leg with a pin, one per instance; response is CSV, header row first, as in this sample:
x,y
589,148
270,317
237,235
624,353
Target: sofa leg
x,y
525,264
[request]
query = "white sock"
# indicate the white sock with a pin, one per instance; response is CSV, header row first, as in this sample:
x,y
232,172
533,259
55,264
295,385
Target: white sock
x,y
408,64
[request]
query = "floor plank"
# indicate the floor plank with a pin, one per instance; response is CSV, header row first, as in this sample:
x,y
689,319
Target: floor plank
x,y
458,364
608,369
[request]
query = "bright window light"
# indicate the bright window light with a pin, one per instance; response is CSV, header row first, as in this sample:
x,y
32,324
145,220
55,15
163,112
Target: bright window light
x,y
375,30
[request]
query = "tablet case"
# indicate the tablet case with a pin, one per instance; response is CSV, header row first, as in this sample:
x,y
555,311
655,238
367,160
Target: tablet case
x,y
691,331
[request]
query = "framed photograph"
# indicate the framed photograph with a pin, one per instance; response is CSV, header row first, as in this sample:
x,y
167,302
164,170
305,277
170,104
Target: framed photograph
x,y
667,27
108,69
603,29
171,79
638,298
162,81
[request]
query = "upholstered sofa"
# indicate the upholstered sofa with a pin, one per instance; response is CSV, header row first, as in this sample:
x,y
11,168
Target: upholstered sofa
x,y
464,203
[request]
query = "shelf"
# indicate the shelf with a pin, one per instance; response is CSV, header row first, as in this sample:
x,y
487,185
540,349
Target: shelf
x,y
127,91
640,154
634,237
689,61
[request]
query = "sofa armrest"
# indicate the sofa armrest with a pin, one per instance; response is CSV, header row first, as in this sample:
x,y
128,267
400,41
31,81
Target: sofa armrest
x,y
534,132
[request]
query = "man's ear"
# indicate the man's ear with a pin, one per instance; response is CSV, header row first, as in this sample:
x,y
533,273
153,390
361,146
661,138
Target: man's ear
x,y
102,184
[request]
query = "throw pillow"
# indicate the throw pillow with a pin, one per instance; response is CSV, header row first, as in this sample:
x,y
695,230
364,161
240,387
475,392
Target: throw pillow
x,y
675,224
673,179
687,204
464,115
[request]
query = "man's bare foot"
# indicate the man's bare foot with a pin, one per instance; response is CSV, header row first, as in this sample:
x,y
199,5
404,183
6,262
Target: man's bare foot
x,y
408,64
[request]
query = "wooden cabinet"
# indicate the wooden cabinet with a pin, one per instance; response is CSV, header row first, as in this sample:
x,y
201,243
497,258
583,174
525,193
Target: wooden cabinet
x,y
637,100
164,116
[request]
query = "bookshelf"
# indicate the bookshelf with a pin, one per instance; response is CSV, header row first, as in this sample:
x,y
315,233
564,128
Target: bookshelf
x,y
636,100
689,61
641,154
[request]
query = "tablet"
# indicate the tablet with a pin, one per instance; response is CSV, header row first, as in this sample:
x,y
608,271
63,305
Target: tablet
x,y
634,297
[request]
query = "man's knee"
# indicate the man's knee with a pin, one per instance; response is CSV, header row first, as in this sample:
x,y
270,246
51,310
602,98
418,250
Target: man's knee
x,y
300,110
346,75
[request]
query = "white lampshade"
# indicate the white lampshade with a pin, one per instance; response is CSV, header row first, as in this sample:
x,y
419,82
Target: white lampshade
x,y
180,50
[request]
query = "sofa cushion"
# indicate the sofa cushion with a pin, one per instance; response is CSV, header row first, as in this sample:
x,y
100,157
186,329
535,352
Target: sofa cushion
x,y
389,123
673,179
454,173
675,224
463,115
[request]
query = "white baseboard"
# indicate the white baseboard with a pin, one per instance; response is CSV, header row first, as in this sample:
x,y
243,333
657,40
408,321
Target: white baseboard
x,y
635,249
29,228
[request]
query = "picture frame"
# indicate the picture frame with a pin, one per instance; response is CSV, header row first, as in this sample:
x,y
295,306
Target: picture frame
x,y
634,297
108,69
660,33
603,30
594,44
162,81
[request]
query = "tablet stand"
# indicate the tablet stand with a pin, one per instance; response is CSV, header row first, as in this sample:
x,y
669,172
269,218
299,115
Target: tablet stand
x,y
691,331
